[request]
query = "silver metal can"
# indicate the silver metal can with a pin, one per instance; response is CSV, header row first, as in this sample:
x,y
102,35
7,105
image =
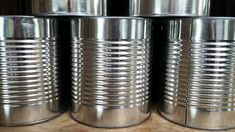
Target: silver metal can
x,y
169,7
110,71
199,83
69,7
29,90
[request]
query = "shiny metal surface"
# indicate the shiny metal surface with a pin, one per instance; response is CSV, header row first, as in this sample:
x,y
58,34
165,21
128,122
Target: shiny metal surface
x,y
169,7
69,7
199,87
29,90
110,71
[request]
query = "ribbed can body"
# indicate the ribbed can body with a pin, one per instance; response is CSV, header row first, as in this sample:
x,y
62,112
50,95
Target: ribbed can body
x,y
29,90
110,71
199,89
153,8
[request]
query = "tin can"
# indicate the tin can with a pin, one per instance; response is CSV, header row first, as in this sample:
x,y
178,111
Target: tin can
x,y
29,91
151,8
69,7
199,90
110,71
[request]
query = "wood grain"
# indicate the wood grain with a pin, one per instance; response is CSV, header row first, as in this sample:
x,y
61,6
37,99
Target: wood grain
x,y
65,124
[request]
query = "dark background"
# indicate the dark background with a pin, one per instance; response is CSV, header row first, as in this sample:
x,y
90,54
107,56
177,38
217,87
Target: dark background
x,y
222,7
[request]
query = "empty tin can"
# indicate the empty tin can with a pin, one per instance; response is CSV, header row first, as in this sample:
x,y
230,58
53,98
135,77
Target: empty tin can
x,y
199,83
69,7
150,8
110,75
29,90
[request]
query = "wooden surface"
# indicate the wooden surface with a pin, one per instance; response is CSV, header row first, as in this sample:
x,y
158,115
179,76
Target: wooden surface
x,y
65,124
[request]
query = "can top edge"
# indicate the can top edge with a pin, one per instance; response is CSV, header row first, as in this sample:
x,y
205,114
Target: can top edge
x,y
12,17
109,17
195,17
16,16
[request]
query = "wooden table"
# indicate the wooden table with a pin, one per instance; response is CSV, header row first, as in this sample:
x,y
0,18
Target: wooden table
x,y
65,124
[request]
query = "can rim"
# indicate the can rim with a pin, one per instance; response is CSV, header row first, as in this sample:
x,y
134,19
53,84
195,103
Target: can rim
x,y
195,17
25,17
109,17
16,16
216,17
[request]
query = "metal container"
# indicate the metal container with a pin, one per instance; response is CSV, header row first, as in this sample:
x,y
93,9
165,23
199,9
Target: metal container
x,y
199,83
110,71
29,90
69,7
152,8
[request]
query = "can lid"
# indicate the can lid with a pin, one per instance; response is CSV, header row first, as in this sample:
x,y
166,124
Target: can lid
x,y
69,7
26,27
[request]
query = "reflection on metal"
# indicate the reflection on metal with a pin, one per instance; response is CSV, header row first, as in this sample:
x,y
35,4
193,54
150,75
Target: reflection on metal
x,y
29,91
169,7
199,87
111,66
69,7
